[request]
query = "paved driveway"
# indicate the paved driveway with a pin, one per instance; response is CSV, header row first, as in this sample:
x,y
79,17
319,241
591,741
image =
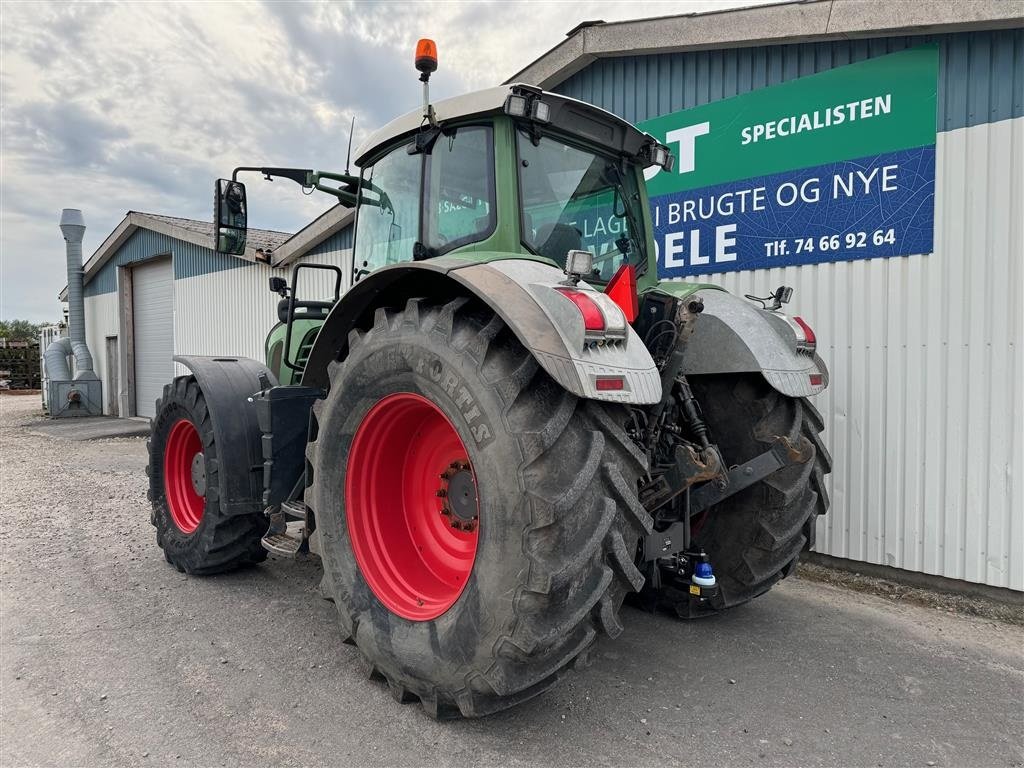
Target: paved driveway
x,y
111,657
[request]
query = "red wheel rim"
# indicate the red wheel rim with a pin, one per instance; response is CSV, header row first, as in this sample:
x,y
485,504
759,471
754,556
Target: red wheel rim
x,y
411,506
185,476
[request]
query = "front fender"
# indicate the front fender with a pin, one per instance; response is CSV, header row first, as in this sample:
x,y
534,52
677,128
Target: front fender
x,y
520,292
228,384
734,336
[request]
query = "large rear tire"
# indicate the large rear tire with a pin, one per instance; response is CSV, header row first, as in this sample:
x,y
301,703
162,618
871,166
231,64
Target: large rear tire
x,y
754,538
196,535
534,575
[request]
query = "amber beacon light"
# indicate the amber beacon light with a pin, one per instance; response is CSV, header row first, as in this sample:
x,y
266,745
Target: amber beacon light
x,y
426,58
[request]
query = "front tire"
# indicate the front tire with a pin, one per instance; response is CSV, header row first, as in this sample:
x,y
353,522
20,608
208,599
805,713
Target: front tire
x,y
543,566
192,529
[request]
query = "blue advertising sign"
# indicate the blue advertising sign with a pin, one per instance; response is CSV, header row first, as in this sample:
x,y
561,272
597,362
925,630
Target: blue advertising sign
x,y
832,167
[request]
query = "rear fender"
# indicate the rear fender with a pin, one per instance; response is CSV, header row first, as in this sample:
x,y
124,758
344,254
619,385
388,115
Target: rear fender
x,y
228,385
520,292
734,336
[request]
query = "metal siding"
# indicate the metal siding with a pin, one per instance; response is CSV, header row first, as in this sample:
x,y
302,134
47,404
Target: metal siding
x,y
981,75
153,329
924,412
230,312
189,259
101,320
335,244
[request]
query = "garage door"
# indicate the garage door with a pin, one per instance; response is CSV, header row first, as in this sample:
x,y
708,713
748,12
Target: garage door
x,y
153,307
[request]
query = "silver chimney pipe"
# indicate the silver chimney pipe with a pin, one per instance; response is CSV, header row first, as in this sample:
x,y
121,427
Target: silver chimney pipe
x,y
72,226
83,394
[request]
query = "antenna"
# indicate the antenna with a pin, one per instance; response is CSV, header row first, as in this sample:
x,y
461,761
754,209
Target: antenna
x,y
348,155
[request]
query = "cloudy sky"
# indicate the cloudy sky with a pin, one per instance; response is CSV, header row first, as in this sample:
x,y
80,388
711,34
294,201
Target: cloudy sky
x,y
111,107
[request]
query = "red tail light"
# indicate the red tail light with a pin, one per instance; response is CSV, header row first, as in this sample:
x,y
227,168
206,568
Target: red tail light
x,y
622,290
809,336
609,383
593,320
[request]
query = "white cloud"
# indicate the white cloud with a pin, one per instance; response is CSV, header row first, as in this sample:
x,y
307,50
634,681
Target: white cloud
x,y
110,107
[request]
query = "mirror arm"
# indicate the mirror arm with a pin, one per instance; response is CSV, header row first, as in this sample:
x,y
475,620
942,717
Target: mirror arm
x,y
309,179
299,175
344,178
345,196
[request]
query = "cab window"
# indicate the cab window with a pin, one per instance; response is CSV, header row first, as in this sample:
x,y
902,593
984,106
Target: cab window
x,y
573,198
458,200
387,228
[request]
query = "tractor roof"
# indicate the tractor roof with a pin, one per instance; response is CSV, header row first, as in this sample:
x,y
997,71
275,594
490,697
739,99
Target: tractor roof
x,y
492,100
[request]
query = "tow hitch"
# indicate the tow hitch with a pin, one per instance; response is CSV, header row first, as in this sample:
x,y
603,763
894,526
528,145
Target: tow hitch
x,y
676,538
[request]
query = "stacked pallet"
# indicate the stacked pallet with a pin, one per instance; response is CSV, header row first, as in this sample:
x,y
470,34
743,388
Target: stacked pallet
x,y
19,364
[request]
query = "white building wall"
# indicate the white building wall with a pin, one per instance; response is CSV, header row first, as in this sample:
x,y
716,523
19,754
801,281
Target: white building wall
x,y
230,312
101,320
924,410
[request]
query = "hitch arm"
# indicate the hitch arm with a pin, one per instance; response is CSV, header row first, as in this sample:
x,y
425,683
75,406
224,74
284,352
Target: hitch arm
x,y
676,537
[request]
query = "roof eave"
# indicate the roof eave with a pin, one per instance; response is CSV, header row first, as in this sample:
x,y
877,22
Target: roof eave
x,y
330,222
779,23
135,220
141,220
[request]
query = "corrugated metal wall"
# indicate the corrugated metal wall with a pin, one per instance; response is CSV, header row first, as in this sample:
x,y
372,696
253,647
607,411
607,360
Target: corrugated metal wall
x,y
981,75
924,412
189,259
230,312
101,320
222,305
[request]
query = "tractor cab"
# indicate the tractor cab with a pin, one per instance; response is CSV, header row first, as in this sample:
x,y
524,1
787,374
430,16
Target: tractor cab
x,y
507,173
511,172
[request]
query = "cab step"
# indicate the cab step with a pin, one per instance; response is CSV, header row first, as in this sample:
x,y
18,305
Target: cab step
x,y
285,540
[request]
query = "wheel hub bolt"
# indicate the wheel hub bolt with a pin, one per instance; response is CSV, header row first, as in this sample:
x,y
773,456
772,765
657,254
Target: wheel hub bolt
x,y
460,506
198,472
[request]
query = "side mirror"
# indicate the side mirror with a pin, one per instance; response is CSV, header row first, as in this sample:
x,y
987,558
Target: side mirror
x,y
279,285
229,217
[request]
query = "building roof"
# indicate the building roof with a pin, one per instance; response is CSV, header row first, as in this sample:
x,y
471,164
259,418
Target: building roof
x,y
259,241
329,222
259,244
792,22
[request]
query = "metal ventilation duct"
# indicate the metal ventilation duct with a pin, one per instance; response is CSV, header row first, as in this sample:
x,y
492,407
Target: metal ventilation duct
x,y
81,395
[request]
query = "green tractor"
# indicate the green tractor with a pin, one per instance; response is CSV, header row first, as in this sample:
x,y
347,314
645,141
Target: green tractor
x,y
507,424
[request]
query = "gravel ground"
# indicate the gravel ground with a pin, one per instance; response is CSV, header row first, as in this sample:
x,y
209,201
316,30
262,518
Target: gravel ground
x,y
108,656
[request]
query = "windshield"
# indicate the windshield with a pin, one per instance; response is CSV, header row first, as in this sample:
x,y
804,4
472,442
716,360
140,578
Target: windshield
x,y
575,199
